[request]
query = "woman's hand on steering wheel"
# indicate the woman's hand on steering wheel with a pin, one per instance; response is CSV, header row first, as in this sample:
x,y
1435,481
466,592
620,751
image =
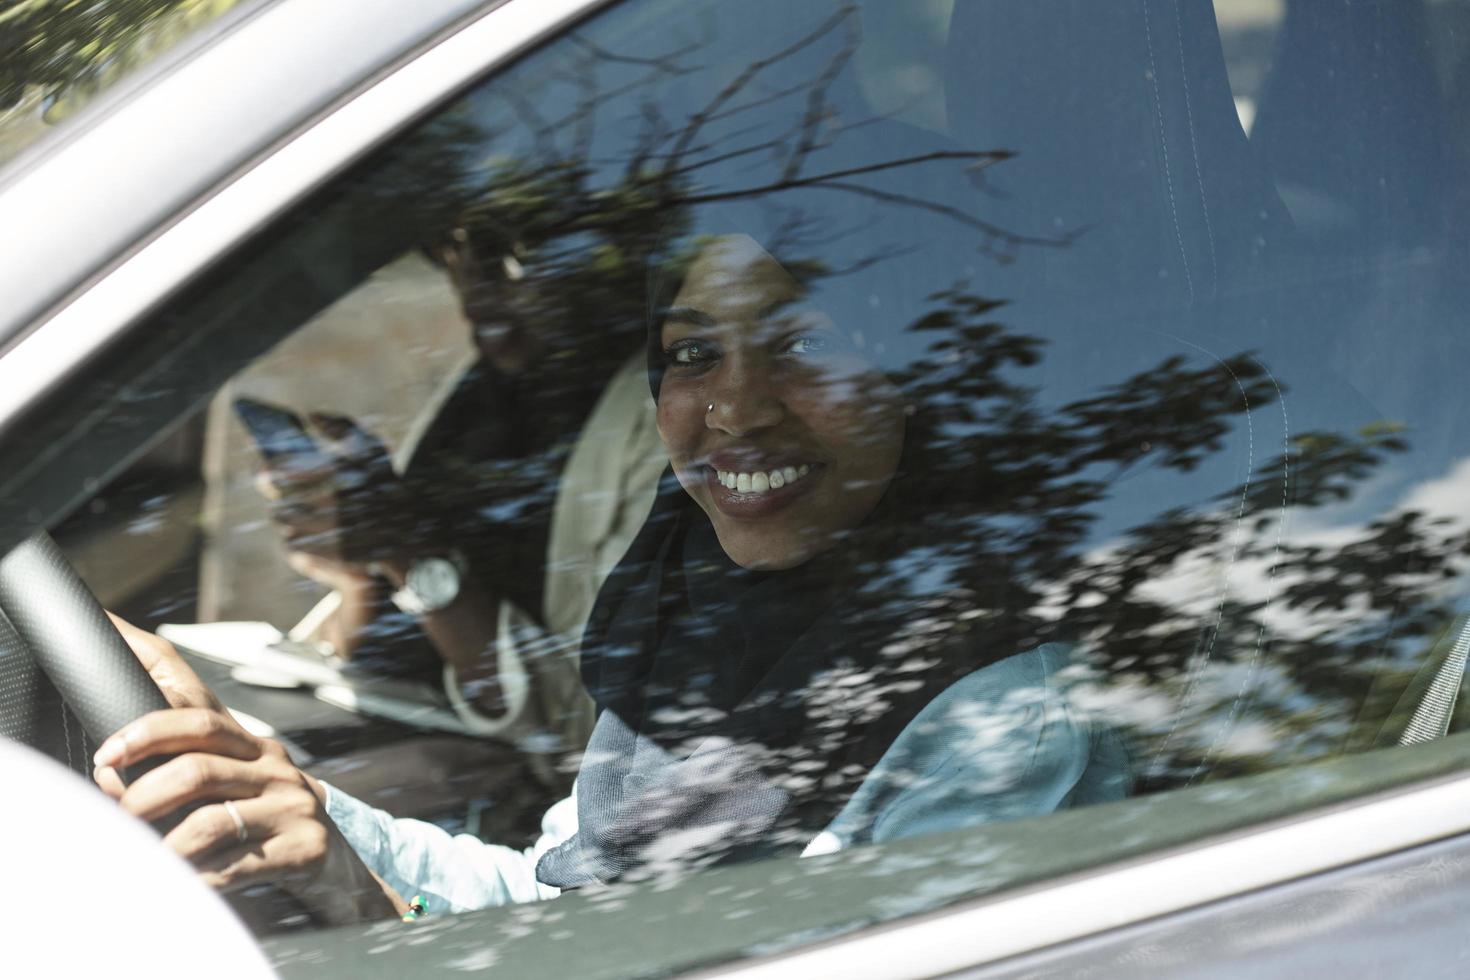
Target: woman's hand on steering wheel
x,y
175,678
256,817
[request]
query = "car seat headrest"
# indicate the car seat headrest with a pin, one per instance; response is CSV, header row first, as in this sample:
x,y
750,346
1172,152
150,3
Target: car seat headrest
x,y
1124,128
1351,124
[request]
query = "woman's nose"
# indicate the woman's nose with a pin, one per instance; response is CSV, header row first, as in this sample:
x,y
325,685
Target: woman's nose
x,y
744,398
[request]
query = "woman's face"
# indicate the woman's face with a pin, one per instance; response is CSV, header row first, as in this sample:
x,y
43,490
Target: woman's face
x,y
804,434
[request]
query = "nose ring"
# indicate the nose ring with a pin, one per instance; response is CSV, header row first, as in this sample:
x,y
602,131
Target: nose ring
x,y
710,409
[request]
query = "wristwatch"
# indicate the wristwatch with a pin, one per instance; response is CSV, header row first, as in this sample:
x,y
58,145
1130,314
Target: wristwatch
x,y
431,584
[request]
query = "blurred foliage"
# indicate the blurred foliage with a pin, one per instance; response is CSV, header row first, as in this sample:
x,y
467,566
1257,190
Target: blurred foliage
x,y
59,53
65,47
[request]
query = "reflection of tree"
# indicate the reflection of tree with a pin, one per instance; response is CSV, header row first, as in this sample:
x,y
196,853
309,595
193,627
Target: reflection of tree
x,y
1011,557
581,212
1321,658
581,228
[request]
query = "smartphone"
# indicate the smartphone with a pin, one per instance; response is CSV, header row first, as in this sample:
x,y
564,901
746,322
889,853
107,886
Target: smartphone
x,y
279,434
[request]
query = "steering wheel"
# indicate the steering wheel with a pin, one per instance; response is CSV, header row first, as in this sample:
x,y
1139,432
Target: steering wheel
x,y
52,626
52,629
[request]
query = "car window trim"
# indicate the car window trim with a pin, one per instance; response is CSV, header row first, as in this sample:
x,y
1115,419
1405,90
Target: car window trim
x,y
55,348
1169,881
182,135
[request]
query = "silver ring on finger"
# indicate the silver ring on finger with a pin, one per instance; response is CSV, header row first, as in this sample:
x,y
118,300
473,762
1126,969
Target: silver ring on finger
x,y
241,834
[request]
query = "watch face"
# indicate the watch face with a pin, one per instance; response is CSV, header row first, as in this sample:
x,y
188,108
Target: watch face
x,y
435,581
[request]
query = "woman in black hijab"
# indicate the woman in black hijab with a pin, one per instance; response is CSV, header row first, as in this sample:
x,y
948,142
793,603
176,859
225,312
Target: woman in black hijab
x,y
766,644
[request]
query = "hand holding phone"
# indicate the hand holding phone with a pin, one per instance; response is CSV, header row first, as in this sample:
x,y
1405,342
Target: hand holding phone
x,y
279,435
334,493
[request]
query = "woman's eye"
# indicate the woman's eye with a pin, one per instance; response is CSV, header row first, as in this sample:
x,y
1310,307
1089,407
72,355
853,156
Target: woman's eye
x,y
689,352
808,343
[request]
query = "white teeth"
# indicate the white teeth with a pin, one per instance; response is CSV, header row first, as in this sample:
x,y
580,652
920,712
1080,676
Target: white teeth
x,y
760,482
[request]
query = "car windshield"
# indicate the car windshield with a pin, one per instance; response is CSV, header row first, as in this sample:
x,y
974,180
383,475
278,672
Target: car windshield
x,y
61,56
983,439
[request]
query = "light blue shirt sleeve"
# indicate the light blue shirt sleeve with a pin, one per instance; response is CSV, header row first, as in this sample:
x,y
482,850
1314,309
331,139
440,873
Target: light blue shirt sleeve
x,y
453,873
1002,743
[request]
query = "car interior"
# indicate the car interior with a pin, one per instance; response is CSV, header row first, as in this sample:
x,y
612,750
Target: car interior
x,y
1231,237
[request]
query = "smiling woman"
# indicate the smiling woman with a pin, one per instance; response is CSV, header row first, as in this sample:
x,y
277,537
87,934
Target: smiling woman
x,y
798,436
766,685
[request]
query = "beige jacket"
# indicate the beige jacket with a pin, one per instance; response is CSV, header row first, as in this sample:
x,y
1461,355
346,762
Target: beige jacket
x,y
605,495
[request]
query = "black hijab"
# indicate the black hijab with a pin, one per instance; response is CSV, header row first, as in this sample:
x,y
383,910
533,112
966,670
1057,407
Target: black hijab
x,y
739,710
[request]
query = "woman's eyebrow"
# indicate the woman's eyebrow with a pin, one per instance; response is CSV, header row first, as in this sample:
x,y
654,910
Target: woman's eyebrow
x,y
688,315
771,309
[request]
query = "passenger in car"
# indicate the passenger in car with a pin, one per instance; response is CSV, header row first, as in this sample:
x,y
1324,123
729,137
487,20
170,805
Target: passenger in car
x,y
766,681
509,476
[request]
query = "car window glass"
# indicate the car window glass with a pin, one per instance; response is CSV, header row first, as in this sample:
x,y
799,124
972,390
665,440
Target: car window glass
x,y
872,421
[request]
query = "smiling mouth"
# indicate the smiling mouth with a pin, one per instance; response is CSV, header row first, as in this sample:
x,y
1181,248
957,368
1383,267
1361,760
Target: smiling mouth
x,y
762,481
757,494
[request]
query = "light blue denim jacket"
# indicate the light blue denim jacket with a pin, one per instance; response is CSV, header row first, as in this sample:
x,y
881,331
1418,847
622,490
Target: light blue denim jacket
x,y
1001,743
